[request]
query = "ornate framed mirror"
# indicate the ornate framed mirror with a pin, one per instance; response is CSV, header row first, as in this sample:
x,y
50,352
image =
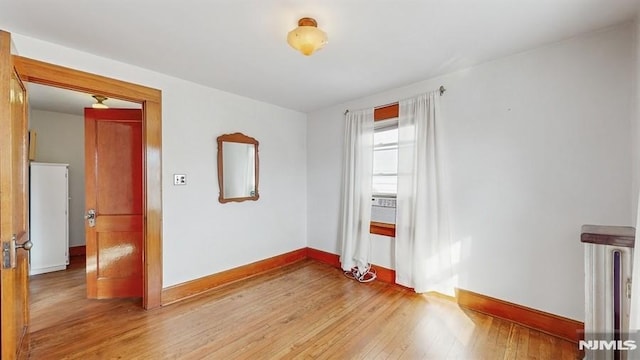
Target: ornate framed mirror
x,y
237,168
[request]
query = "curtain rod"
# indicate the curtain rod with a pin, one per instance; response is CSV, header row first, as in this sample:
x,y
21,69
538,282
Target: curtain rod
x,y
441,89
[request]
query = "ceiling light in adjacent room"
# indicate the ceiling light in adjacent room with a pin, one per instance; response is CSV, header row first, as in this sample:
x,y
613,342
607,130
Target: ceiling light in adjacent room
x,y
307,38
99,102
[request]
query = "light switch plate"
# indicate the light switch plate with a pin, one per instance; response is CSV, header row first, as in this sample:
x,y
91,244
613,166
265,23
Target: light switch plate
x,y
179,179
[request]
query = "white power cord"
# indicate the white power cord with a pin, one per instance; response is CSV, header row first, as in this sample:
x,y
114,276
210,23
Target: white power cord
x,y
367,275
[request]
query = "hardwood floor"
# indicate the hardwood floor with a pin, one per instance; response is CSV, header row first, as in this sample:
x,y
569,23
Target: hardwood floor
x,y
307,310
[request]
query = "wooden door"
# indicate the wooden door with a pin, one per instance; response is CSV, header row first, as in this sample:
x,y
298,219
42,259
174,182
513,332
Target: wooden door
x,y
14,306
113,185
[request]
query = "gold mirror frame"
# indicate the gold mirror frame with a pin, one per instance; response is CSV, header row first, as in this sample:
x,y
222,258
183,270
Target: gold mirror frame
x,y
241,139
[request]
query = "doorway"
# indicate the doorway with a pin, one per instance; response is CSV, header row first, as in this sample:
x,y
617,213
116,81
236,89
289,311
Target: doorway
x,y
58,126
33,71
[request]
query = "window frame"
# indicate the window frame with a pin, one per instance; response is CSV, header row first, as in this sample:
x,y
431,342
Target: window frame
x,y
379,114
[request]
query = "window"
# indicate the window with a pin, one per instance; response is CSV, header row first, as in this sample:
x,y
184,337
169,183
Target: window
x,y
385,158
385,177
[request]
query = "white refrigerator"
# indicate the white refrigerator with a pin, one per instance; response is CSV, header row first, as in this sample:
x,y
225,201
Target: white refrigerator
x,y
49,217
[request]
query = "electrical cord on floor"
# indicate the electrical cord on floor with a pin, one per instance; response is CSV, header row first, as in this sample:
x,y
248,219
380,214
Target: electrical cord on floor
x,y
367,276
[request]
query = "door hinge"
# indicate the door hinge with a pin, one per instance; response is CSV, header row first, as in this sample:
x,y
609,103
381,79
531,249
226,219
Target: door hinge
x,y
628,288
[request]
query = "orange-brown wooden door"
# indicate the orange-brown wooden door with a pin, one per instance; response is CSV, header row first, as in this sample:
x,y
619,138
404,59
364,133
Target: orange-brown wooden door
x,y
113,185
14,289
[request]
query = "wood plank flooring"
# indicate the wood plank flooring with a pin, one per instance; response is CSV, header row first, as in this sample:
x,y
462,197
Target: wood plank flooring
x,y
307,310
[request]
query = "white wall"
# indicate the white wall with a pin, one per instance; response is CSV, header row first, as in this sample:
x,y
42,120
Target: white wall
x,y
200,235
537,144
60,139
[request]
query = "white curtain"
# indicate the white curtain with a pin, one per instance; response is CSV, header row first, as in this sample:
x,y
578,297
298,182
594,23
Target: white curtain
x,y
423,244
356,190
634,316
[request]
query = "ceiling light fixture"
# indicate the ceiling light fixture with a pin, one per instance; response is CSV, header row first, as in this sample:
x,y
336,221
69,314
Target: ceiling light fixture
x,y
99,104
307,38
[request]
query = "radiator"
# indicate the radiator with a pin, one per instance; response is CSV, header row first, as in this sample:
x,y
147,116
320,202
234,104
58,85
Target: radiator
x,y
608,261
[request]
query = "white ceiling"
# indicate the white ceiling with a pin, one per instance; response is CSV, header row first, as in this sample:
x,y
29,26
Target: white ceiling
x,y
48,98
239,46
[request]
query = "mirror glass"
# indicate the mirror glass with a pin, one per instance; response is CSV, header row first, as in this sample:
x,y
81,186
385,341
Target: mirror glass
x,y
237,167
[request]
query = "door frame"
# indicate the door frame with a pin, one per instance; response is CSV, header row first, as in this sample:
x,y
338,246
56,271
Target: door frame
x,y
14,312
39,72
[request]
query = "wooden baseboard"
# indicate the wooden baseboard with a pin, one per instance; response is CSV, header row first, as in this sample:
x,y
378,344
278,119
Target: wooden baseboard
x,y
323,257
382,273
555,325
78,250
191,288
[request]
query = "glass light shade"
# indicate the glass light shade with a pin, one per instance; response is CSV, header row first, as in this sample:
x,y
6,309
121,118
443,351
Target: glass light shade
x,y
99,102
307,38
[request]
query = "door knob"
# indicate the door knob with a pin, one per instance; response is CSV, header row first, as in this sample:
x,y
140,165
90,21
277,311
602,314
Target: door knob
x,y
27,245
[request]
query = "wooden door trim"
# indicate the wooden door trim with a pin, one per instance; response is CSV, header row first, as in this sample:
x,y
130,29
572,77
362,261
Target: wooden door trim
x,y
7,324
14,317
43,73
